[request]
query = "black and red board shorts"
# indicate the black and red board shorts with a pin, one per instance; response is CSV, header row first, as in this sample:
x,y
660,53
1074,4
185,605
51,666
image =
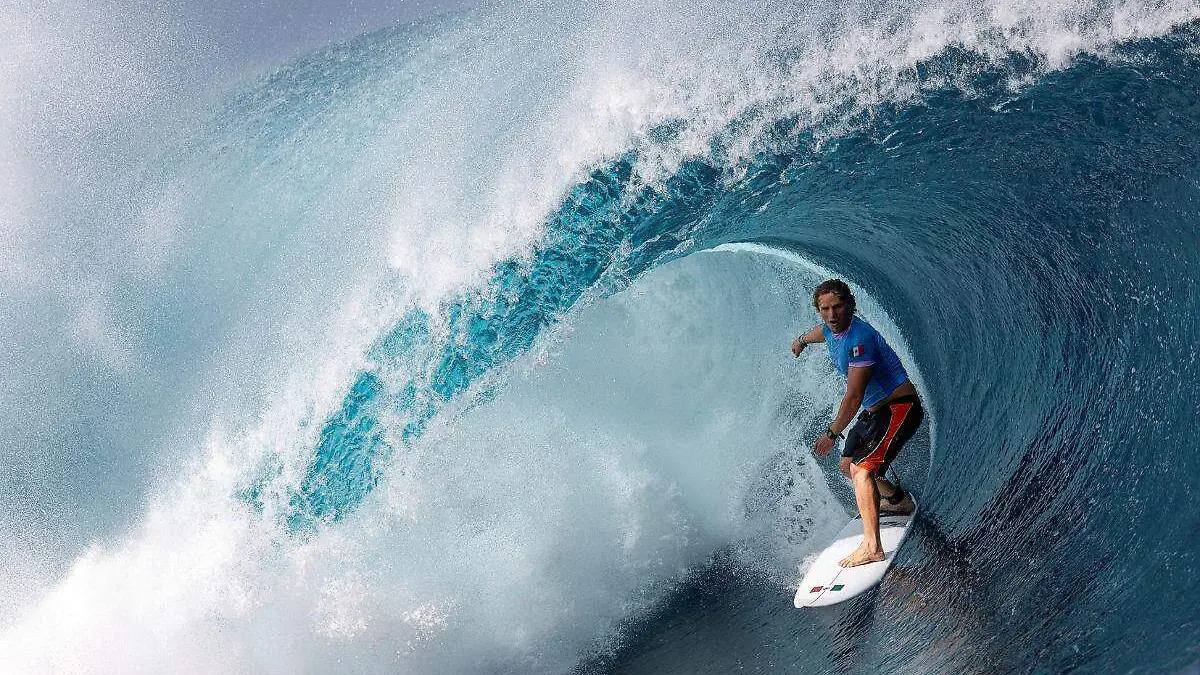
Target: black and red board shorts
x,y
877,436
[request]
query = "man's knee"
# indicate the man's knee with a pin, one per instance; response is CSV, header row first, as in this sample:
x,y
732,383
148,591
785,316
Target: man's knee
x,y
844,466
860,473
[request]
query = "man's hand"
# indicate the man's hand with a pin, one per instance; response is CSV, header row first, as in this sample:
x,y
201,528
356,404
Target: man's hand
x,y
823,445
798,346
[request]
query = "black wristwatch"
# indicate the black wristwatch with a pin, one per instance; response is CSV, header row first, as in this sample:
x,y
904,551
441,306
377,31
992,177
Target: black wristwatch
x,y
832,436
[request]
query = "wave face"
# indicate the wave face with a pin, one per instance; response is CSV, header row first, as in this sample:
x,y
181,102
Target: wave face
x,y
507,313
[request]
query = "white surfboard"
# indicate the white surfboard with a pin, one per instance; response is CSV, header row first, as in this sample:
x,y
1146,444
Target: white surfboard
x,y
827,583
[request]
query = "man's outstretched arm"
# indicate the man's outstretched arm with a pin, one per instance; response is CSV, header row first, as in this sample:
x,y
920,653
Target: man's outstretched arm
x,y
812,336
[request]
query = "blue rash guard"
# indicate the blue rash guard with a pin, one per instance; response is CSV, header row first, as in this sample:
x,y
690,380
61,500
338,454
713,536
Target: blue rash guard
x,y
861,345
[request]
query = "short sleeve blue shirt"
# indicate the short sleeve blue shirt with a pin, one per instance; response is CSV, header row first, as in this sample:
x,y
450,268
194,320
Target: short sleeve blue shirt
x,y
861,345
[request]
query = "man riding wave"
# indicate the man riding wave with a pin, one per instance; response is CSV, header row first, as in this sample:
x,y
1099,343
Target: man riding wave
x,y
876,383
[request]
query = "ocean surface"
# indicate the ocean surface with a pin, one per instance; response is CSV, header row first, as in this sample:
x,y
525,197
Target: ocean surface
x,y
463,346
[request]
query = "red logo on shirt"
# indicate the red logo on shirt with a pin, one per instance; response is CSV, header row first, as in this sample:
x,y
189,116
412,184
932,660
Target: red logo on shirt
x,y
857,351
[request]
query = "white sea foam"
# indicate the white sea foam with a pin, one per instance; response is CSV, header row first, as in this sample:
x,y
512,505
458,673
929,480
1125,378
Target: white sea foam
x,y
618,455
517,530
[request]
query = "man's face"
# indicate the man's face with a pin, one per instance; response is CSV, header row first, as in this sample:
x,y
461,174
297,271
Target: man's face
x,y
837,314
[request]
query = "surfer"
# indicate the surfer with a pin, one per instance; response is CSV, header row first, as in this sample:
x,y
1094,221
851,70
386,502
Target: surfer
x,y
876,383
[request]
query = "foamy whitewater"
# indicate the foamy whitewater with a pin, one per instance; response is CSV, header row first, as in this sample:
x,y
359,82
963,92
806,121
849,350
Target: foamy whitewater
x,y
462,346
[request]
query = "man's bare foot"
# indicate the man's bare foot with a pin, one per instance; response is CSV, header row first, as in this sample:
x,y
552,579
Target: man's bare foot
x,y
861,556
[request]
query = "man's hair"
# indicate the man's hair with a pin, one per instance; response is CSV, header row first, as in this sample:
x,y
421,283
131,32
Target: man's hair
x,y
834,286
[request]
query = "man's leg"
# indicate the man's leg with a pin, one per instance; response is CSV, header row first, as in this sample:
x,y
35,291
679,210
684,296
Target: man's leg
x,y
885,488
888,503
867,496
903,418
